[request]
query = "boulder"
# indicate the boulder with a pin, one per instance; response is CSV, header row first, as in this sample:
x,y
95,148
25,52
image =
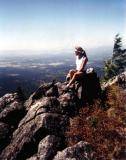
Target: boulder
x,y
47,148
61,88
69,102
12,113
7,99
91,88
2,103
38,94
115,80
43,105
53,92
27,136
80,151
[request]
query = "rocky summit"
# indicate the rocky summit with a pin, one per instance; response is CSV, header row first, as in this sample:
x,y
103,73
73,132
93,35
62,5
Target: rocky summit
x,y
35,128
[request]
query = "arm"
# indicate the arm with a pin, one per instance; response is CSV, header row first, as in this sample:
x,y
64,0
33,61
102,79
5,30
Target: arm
x,y
83,64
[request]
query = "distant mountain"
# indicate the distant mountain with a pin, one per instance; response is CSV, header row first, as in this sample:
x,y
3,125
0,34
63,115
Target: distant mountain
x,y
103,51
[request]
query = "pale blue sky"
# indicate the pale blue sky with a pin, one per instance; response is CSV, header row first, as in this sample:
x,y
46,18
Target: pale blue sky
x,y
60,24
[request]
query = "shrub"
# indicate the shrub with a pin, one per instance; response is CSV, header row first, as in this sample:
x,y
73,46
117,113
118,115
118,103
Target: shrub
x,y
110,69
103,129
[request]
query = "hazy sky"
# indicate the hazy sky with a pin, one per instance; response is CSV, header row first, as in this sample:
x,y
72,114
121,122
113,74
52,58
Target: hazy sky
x,y
60,24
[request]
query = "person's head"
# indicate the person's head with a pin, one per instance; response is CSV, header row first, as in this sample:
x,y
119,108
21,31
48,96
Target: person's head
x,y
79,51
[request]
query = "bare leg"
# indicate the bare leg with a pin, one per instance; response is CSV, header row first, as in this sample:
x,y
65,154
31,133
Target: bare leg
x,y
76,76
70,74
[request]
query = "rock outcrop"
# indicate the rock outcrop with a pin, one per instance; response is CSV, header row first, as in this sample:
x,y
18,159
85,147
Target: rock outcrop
x,y
119,79
12,111
47,148
47,116
91,88
35,129
80,151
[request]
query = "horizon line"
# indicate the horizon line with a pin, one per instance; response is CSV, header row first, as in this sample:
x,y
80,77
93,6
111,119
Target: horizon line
x,y
58,49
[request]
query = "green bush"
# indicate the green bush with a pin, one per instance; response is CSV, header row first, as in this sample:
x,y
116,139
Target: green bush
x,y
110,69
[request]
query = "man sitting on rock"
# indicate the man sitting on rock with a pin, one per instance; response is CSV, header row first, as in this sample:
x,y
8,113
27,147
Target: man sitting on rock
x,y
81,61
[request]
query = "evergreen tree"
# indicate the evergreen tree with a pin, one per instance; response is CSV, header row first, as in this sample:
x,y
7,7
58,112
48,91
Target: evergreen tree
x,y
118,53
115,65
117,46
110,69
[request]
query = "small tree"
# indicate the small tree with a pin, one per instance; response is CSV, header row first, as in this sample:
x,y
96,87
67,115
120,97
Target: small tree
x,y
117,46
114,65
110,69
118,53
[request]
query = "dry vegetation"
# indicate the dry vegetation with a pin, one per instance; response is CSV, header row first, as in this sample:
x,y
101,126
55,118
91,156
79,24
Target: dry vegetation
x,y
104,129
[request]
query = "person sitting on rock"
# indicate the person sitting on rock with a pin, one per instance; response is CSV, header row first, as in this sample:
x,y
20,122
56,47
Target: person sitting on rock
x,y
81,61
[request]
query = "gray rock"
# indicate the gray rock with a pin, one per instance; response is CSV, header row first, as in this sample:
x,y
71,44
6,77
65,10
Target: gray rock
x,y
32,158
47,148
61,88
43,105
2,103
30,133
12,113
38,94
53,91
7,99
80,151
113,80
69,103
40,134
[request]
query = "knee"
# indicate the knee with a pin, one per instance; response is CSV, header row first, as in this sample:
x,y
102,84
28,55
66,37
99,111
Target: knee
x,y
71,71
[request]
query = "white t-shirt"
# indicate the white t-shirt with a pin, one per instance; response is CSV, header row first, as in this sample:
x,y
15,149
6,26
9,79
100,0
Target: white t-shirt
x,y
79,62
